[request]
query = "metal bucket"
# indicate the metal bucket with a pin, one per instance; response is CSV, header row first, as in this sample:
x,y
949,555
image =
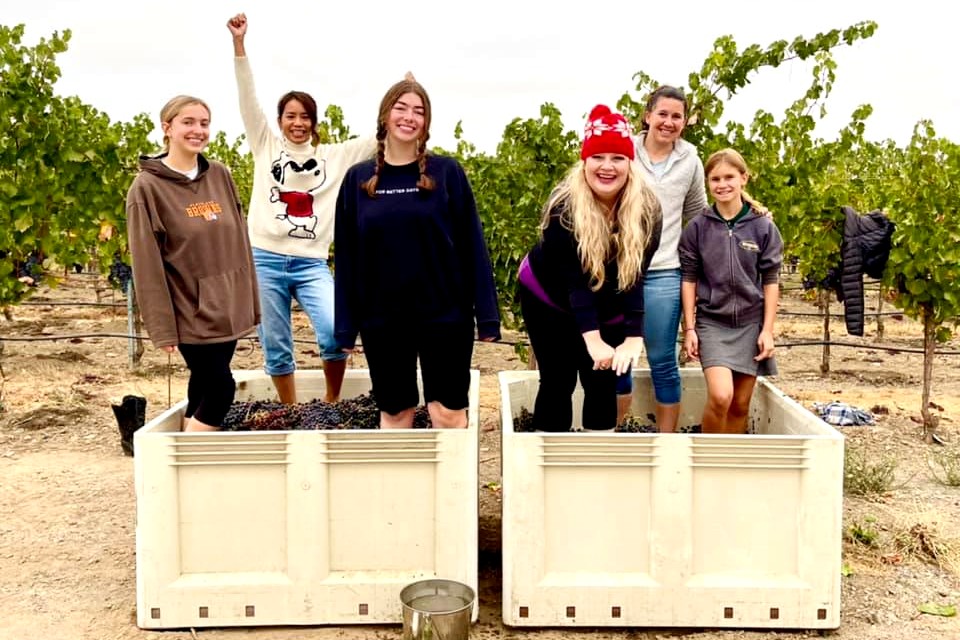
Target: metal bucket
x,y
437,610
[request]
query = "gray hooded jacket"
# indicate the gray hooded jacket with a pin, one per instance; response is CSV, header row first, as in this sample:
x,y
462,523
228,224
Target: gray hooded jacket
x,y
730,265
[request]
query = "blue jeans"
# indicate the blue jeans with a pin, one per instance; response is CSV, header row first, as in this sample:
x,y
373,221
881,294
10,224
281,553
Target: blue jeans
x,y
283,279
661,318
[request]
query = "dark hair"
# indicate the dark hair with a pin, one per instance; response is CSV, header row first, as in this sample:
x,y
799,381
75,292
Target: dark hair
x,y
309,105
390,98
663,91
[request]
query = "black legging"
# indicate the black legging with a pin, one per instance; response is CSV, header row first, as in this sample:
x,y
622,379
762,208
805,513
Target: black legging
x,y
211,387
562,355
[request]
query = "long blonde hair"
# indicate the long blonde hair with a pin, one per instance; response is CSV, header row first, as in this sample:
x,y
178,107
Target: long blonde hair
x,y
626,232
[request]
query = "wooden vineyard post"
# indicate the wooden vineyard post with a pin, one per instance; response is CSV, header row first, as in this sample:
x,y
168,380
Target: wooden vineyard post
x,y
880,326
825,305
134,326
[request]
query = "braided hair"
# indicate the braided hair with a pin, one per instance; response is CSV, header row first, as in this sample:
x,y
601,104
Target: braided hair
x,y
392,96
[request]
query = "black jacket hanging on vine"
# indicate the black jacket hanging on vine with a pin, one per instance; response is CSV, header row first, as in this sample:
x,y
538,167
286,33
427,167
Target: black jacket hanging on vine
x,y
865,249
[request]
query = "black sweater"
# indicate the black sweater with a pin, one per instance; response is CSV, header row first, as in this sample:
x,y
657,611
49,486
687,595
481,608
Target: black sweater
x,y
557,267
410,255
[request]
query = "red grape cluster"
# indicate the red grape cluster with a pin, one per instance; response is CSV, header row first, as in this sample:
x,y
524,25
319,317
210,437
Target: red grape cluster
x,y
360,412
523,423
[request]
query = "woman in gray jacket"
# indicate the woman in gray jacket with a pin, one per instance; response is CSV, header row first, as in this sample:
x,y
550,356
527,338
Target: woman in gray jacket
x,y
673,168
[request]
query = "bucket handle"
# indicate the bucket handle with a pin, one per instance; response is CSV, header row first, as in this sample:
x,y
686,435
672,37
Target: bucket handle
x,y
426,620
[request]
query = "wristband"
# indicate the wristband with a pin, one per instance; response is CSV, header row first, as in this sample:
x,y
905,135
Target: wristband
x,y
689,329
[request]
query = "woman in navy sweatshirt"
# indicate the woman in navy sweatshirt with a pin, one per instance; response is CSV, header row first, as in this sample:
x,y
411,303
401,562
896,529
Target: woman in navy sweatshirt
x,y
581,290
412,268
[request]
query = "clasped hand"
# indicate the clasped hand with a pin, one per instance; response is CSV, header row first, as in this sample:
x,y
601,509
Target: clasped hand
x,y
620,360
627,354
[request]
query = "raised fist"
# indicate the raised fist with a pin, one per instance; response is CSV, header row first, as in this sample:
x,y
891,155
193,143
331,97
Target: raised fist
x,y
238,25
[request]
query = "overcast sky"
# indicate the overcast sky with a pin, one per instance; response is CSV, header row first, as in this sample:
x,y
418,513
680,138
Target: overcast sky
x,y
487,62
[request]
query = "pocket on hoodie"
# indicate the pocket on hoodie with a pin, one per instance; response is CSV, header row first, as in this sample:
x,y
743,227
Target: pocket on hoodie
x,y
704,293
225,304
753,296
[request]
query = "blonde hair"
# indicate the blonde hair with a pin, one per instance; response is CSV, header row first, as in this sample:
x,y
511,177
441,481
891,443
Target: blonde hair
x,y
733,158
173,108
627,231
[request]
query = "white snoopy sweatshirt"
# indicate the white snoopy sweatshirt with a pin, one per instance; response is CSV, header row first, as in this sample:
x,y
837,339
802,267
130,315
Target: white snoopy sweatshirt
x,y
295,186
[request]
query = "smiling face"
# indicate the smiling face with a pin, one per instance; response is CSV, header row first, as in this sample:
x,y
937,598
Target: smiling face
x,y
188,131
665,120
606,175
407,119
726,184
295,122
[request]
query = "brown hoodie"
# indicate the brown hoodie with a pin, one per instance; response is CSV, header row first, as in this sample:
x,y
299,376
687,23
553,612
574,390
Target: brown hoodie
x,y
192,265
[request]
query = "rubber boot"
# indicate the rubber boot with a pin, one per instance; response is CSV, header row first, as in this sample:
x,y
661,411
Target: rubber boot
x,y
131,414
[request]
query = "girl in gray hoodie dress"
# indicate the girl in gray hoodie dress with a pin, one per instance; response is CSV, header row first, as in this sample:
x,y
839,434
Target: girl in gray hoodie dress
x,y
730,257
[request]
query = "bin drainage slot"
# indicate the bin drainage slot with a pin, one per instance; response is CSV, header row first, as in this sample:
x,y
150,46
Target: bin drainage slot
x,y
155,613
728,612
821,614
250,611
774,613
614,612
204,612
571,612
363,609
524,612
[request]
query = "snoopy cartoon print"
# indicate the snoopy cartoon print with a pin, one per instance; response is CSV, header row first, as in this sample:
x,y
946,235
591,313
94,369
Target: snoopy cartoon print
x,y
297,184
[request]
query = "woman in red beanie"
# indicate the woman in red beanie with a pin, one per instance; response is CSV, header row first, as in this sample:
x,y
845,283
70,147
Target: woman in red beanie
x,y
581,286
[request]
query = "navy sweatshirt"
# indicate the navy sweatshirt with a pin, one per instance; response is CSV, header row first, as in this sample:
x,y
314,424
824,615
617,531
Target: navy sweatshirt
x,y
557,267
409,254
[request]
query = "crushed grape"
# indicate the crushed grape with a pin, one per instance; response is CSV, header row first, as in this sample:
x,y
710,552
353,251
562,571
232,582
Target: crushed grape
x,y
360,412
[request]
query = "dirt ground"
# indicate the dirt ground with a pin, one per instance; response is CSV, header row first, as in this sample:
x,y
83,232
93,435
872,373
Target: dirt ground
x,y
67,501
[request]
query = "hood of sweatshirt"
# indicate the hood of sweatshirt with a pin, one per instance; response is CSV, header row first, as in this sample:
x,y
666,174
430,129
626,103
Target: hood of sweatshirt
x,y
154,166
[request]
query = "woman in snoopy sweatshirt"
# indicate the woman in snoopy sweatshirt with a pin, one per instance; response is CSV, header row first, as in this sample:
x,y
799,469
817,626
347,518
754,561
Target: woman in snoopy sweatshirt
x,y
295,183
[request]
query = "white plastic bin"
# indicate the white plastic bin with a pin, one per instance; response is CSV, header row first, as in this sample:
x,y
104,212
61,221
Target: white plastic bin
x,y
672,530
299,527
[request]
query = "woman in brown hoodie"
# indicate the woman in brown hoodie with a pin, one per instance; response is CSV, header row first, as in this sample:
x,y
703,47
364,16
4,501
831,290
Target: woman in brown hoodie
x,y
192,264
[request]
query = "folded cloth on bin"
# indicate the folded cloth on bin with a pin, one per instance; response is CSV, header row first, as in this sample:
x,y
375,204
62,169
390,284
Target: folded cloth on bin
x,y
841,414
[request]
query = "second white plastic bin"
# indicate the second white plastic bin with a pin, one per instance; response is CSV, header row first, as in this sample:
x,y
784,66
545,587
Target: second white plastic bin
x,y
672,530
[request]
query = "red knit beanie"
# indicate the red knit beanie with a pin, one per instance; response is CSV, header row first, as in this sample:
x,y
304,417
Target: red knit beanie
x,y
606,132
